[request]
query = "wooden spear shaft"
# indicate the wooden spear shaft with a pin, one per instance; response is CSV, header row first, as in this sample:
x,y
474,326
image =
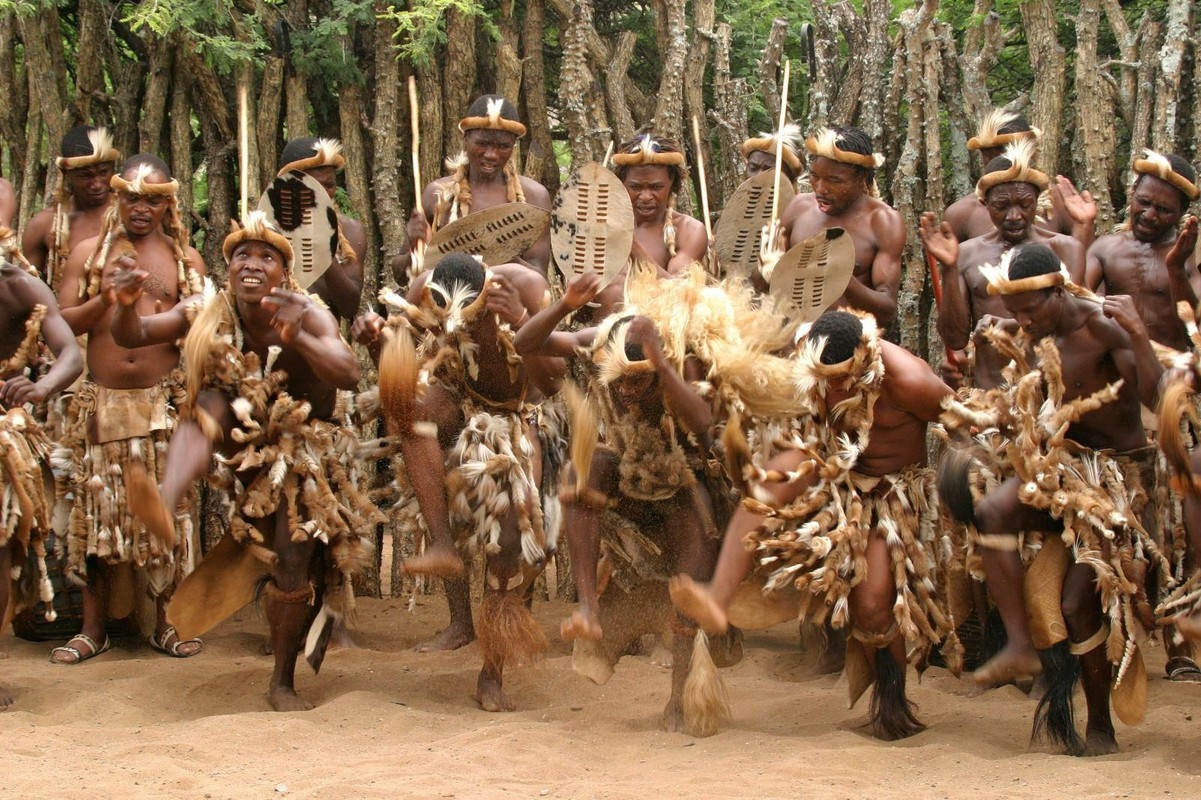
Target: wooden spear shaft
x,y
700,166
417,258
244,146
775,194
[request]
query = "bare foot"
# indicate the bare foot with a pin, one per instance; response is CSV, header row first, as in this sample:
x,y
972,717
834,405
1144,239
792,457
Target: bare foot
x,y
147,504
1182,669
581,624
693,600
440,561
1099,743
490,695
451,638
673,716
6,699
726,651
1008,665
284,698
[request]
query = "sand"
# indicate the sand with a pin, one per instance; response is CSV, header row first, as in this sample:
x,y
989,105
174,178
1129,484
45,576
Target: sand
x,y
394,723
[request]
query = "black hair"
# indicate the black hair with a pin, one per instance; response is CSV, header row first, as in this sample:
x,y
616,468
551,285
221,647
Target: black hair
x,y
75,142
634,351
150,160
479,108
660,144
854,140
298,150
458,269
1030,260
1019,124
1182,168
842,330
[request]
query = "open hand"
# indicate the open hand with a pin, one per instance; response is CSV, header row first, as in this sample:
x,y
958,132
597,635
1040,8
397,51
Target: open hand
x,y
504,300
1185,244
1079,206
126,286
769,249
289,309
581,289
939,239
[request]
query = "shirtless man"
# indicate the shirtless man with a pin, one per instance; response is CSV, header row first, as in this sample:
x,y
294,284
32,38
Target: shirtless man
x,y
674,508
24,299
842,355
8,204
483,177
476,393
842,171
86,162
1008,192
968,217
651,167
341,286
230,403
1094,351
125,411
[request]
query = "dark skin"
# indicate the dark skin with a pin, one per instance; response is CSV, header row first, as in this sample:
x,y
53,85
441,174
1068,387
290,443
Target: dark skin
x,y
117,367
317,361
1135,261
965,298
487,153
1095,350
761,161
841,199
341,286
678,520
19,293
514,293
8,203
910,399
89,187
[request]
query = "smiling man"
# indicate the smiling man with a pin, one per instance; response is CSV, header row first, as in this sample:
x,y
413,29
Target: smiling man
x,y
842,172
483,176
86,162
125,411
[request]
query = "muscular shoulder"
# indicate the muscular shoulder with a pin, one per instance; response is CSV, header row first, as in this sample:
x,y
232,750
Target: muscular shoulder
x,y
1106,246
522,277
39,224
1104,329
1066,247
535,193
910,383
961,208
24,289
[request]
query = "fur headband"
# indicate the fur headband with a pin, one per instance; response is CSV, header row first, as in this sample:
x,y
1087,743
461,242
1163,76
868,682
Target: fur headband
x,y
863,365
988,134
328,153
790,146
257,228
141,186
1020,155
824,143
648,153
493,120
1156,165
102,152
609,351
999,282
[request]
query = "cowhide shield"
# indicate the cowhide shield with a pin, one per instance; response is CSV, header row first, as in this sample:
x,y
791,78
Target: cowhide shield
x,y
302,210
497,235
813,274
593,224
740,229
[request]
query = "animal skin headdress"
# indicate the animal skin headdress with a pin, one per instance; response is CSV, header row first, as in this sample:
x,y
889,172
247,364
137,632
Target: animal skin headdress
x,y
609,351
257,228
102,151
999,282
492,120
141,184
647,152
989,134
1157,165
325,153
824,143
865,368
766,142
1020,155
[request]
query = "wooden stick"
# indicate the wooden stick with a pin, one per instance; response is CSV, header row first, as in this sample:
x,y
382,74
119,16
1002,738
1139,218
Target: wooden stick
x,y
775,194
417,257
608,155
700,166
244,145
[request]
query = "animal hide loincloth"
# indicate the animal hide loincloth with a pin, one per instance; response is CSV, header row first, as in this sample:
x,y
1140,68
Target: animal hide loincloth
x,y
24,503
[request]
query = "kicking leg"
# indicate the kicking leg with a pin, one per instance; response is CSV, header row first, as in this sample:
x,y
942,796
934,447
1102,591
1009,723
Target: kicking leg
x,y
581,523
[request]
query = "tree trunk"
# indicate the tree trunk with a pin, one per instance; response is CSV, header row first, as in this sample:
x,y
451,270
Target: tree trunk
x,y
429,92
158,93
350,112
35,31
694,99
729,115
1149,37
181,140
458,77
254,160
29,180
296,107
1095,129
89,61
540,161
508,62
15,110
615,94
1166,130
385,139
1047,59
981,46
574,83
669,108
769,71
266,122
959,178
871,95
1128,45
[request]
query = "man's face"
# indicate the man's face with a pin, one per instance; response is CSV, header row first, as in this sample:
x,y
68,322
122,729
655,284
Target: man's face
x,y
759,161
89,185
326,176
649,186
142,214
1155,208
255,268
488,150
1037,312
1011,207
836,186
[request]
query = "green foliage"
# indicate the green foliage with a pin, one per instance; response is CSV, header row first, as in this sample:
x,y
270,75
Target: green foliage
x,y
23,8
206,23
323,49
421,28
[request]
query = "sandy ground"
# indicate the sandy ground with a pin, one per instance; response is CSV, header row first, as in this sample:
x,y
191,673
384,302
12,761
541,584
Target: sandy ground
x,y
393,723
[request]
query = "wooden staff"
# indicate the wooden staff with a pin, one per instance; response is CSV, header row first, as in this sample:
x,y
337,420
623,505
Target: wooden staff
x,y
244,145
417,258
608,155
700,166
775,194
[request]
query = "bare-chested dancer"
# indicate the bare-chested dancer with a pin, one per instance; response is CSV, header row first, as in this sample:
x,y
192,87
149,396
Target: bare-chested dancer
x,y
125,411
1094,351
28,312
341,287
1008,192
641,472
483,176
86,163
842,171
479,398
969,217
881,398
263,350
